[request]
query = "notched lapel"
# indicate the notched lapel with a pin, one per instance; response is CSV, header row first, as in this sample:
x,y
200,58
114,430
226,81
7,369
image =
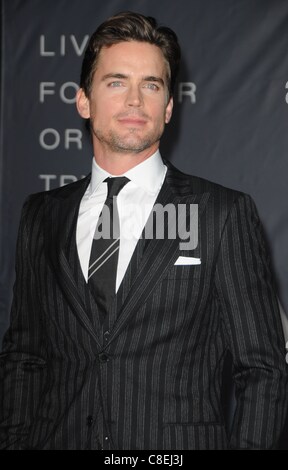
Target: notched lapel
x,y
158,255
61,220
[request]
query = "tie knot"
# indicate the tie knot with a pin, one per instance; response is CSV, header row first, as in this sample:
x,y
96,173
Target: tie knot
x,y
115,185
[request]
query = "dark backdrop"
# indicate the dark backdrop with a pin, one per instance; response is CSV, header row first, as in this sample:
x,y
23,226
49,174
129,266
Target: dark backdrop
x,y
231,105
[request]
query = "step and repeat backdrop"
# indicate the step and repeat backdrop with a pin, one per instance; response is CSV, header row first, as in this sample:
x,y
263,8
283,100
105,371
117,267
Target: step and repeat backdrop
x,y
230,121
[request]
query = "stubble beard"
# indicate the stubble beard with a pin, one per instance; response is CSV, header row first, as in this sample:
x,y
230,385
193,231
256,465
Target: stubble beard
x,y
129,143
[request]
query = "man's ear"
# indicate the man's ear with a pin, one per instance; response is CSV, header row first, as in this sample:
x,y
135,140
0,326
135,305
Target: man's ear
x,y
82,104
168,112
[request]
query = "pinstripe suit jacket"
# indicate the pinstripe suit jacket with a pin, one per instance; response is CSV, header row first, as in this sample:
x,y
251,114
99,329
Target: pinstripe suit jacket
x,y
148,373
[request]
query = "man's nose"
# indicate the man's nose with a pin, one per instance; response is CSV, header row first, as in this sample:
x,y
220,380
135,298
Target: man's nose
x,y
134,96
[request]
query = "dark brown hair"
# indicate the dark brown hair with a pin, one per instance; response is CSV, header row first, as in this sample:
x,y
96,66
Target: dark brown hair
x,y
130,26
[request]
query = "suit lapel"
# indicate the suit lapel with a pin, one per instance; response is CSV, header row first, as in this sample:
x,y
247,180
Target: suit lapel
x,y
158,255
150,261
61,218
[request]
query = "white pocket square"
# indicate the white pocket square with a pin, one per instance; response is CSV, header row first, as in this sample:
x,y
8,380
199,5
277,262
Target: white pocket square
x,y
187,260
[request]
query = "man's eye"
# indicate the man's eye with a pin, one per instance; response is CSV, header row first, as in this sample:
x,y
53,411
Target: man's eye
x,y
152,86
115,84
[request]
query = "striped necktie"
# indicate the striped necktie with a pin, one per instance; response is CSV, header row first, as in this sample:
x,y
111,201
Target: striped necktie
x,y
105,246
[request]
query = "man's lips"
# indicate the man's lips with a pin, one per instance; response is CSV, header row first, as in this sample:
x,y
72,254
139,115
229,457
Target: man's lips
x,y
136,119
132,121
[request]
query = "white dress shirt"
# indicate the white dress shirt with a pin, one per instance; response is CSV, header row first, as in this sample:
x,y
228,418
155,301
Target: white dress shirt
x,y
134,203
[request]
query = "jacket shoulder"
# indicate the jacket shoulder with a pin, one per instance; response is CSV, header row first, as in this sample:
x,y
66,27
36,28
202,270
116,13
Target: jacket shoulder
x,y
61,192
197,184
220,199
35,203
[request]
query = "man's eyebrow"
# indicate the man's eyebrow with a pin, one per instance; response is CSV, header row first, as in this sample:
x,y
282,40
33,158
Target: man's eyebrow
x,y
122,76
151,78
114,75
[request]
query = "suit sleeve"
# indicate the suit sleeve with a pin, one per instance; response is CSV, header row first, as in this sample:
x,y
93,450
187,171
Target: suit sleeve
x,y
253,330
23,357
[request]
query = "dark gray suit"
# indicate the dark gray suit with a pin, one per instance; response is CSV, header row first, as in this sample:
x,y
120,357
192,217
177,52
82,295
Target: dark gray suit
x,y
147,374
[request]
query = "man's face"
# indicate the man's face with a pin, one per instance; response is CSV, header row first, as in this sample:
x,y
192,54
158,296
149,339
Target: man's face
x,y
129,102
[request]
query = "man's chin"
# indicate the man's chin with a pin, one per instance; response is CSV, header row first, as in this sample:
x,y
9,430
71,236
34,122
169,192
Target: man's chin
x,y
134,146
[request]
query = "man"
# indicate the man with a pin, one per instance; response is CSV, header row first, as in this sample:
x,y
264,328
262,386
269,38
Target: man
x,y
139,366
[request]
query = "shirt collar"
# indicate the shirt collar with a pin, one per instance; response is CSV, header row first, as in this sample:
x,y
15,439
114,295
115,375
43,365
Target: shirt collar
x,y
148,175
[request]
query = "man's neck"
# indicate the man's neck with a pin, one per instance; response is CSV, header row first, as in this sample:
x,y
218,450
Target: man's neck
x,y
119,163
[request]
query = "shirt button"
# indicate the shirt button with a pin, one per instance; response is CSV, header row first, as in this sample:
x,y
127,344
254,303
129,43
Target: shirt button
x,y
106,335
103,358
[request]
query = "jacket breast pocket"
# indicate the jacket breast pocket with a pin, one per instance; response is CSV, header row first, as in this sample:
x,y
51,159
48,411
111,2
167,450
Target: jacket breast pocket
x,y
183,271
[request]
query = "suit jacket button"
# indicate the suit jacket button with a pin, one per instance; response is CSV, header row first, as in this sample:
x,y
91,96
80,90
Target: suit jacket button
x,y
89,420
103,358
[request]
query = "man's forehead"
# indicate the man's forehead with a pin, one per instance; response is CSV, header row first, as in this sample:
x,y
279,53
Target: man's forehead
x,y
132,47
151,55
